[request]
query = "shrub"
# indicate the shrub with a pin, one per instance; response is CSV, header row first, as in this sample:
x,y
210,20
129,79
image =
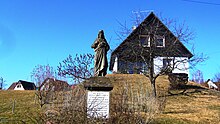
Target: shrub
x,y
127,105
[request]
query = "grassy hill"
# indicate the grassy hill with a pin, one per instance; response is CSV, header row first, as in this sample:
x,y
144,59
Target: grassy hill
x,y
200,106
137,81
191,104
196,105
18,107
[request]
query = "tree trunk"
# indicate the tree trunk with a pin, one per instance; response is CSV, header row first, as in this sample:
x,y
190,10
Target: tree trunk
x,y
151,74
153,85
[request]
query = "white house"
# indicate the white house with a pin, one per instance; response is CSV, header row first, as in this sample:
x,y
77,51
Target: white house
x,y
150,37
22,85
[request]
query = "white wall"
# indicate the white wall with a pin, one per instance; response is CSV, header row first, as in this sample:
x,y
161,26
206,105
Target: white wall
x,y
115,66
158,64
19,88
181,64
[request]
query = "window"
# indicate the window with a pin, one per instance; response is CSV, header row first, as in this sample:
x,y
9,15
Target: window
x,y
144,40
19,86
132,67
160,42
167,64
144,68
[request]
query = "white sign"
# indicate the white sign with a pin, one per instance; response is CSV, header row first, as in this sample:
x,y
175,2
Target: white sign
x,y
98,104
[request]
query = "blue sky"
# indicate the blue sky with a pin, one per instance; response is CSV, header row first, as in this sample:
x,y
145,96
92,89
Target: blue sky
x,y
44,32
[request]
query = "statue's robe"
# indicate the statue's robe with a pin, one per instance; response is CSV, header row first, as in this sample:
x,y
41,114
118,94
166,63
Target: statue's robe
x,y
101,63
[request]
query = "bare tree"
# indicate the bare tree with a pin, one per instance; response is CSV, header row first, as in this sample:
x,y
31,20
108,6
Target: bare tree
x,y
1,83
41,72
78,68
197,76
128,105
151,40
217,77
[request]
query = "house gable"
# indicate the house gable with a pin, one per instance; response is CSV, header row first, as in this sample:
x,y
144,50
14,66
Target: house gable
x,y
22,85
130,49
54,85
19,86
27,85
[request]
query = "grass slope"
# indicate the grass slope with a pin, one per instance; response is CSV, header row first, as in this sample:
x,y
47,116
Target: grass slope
x,y
137,81
18,107
192,108
197,105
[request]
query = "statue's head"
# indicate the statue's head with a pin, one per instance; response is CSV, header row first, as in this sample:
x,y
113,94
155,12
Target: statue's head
x,y
101,34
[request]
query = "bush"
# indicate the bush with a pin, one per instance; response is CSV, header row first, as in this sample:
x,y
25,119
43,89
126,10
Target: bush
x,y
127,106
177,80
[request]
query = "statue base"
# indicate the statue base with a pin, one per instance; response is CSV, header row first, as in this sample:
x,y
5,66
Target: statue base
x,y
98,96
98,84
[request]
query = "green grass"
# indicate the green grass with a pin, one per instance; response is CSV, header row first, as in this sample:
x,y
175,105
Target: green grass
x,y
171,121
18,107
215,107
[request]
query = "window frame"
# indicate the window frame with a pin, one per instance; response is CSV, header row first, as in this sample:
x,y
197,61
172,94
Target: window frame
x,y
146,42
159,38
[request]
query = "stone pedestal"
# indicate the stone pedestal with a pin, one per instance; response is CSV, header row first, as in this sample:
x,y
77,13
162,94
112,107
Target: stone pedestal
x,y
98,96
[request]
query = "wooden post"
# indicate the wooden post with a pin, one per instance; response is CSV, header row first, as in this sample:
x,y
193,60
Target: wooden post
x,y
13,106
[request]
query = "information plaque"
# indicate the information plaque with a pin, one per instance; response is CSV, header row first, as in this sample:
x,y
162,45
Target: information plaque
x,y
98,104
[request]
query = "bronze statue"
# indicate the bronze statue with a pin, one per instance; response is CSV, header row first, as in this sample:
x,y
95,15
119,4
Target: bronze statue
x,y
101,48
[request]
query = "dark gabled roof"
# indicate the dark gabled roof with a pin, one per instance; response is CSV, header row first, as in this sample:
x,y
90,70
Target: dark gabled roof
x,y
26,85
149,22
54,84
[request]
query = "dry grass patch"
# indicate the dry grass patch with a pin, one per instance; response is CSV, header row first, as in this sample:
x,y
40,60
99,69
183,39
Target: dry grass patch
x,y
197,105
193,108
132,94
137,82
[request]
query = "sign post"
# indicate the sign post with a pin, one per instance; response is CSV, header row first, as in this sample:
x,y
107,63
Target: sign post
x,y
98,104
98,97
